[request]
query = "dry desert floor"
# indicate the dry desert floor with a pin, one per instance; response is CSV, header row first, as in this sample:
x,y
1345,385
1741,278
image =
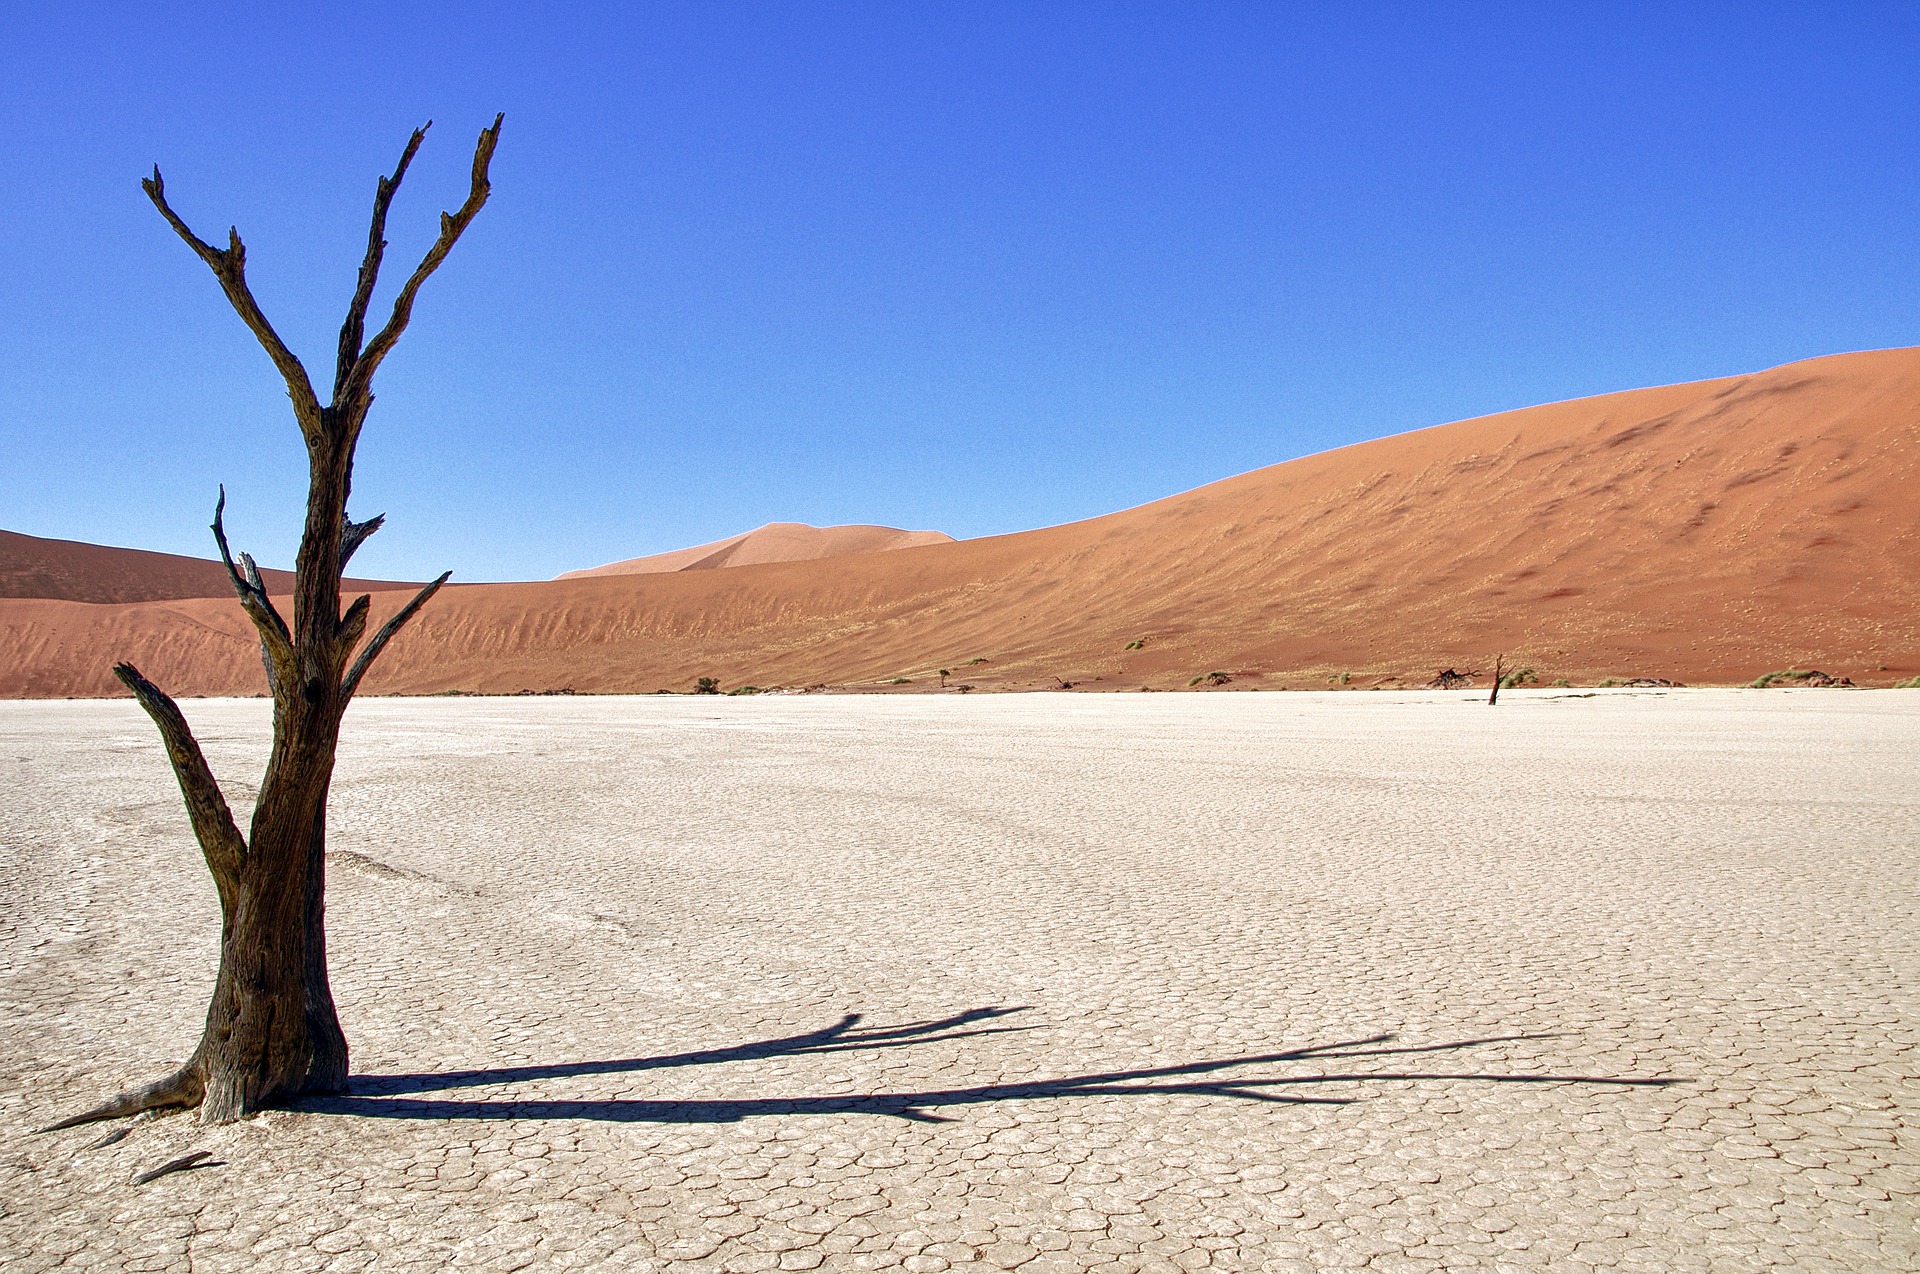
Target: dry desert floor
x,y
1046,982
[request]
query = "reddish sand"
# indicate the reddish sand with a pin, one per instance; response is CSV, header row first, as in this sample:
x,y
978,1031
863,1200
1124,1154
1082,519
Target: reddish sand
x,y
1706,533
774,542
76,572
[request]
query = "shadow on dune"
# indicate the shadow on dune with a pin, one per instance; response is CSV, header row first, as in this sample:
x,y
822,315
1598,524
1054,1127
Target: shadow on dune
x,y
384,1096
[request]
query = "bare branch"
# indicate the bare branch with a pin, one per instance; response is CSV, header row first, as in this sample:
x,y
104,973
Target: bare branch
x,y
252,571
385,635
185,1163
452,226
354,329
276,641
352,625
230,267
354,534
213,826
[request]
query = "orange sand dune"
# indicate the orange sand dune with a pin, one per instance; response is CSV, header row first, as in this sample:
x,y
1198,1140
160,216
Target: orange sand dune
x,y
1702,532
774,542
76,572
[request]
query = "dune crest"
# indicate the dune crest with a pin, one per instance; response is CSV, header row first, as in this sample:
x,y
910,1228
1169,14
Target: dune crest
x,y
774,542
69,570
1706,532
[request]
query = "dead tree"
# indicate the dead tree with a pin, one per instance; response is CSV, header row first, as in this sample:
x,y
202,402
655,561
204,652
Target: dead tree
x,y
271,1031
1499,662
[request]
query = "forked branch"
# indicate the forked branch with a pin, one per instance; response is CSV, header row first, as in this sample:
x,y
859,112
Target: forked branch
x,y
385,635
353,331
452,226
213,826
229,265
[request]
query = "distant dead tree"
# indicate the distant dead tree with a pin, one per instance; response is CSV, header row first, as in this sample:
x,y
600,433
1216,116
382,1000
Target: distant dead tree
x,y
1499,662
271,1031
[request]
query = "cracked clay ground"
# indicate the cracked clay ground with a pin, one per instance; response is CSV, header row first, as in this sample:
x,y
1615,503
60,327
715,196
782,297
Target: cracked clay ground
x,y
1152,982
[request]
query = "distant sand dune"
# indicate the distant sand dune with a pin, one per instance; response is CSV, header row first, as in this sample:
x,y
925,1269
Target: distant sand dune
x,y
774,542
72,571
1702,532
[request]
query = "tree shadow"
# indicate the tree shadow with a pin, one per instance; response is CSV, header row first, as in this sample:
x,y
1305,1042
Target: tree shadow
x,y
382,1096
844,1036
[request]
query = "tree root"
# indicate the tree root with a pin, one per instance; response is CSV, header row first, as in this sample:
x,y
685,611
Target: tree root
x,y
184,1087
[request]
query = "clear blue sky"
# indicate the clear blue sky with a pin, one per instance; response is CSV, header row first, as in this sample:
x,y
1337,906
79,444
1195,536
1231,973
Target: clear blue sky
x,y
975,267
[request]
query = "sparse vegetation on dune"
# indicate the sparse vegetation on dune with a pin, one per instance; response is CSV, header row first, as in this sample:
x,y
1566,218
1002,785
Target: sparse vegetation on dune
x,y
1911,683
1797,677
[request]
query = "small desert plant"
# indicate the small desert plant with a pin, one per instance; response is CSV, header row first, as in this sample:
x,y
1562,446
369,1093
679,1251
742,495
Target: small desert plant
x,y
744,690
706,686
1795,677
1137,645
1607,683
1518,677
1911,683
901,681
1340,679
1560,682
1211,679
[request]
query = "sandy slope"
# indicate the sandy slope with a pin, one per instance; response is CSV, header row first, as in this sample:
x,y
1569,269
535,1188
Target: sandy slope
x,y
774,542
72,571
1704,532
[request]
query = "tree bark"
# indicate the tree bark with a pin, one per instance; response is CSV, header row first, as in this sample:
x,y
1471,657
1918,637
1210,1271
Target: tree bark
x,y
272,1032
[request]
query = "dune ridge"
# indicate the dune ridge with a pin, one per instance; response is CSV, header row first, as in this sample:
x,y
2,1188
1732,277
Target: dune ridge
x,y
69,570
774,542
1704,532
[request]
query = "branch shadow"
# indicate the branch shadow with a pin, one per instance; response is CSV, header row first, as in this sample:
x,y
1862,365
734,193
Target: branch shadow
x,y
384,1096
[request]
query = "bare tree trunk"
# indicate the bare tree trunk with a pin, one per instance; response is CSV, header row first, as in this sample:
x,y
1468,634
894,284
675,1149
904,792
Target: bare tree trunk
x,y
272,1032
1498,662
